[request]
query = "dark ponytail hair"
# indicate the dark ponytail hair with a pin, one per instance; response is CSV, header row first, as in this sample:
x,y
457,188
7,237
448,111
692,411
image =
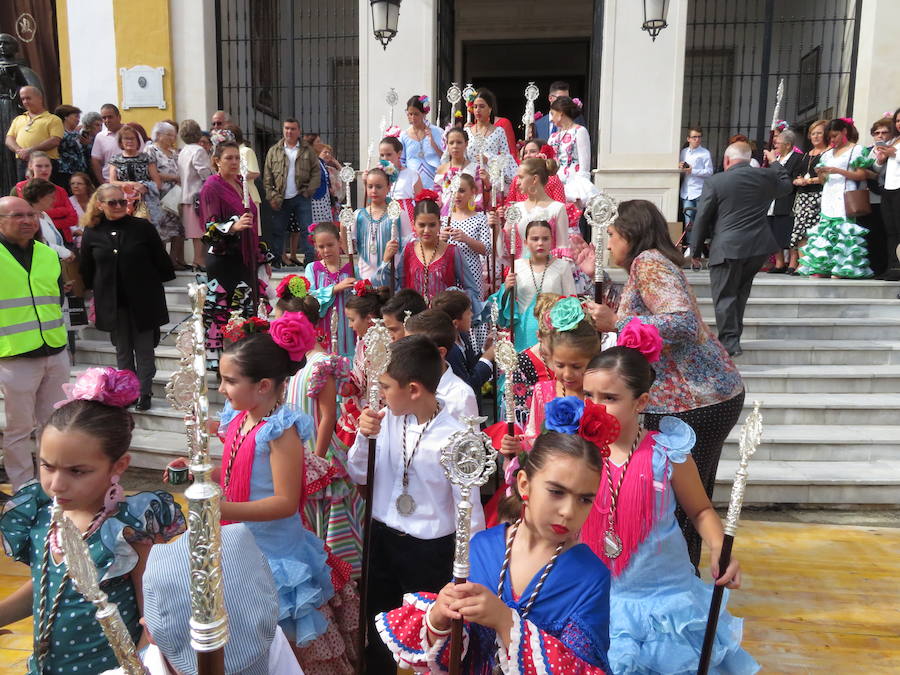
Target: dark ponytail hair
x,y
841,125
631,366
457,130
537,223
392,141
416,102
259,358
426,206
566,106
326,226
547,446
307,305
644,227
369,304
111,425
488,97
378,171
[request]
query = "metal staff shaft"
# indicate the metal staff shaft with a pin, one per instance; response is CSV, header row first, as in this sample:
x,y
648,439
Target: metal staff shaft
x,y
377,341
751,434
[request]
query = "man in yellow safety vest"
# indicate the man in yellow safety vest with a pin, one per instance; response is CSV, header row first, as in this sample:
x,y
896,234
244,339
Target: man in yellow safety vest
x,y
34,363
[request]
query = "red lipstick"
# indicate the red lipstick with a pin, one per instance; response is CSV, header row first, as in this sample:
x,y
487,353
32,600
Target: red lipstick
x,y
560,529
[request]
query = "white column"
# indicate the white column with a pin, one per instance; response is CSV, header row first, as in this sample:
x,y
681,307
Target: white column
x,y
641,88
878,64
193,24
92,53
408,65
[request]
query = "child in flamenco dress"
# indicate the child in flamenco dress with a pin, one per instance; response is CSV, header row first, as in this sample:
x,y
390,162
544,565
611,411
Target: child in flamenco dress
x,y
537,600
262,480
83,454
658,607
334,508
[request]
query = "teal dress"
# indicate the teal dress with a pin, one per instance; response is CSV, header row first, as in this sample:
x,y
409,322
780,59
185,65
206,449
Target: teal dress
x,y
77,643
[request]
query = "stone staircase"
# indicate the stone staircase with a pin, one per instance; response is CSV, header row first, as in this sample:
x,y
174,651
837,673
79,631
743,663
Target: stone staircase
x,y
822,356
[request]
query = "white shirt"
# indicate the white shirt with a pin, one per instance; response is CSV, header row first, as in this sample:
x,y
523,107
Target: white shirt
x,y
435,497
701,169
281,659
891,171
290,184
53,238
456,395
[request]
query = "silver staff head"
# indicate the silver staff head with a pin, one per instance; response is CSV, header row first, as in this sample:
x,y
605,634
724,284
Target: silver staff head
x,y
749,440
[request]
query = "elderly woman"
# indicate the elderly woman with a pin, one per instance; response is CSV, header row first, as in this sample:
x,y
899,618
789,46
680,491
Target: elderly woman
x,y
808,197
234,254
162,150
193,169
61,212
123,261
781,210
71,147
135,172
696,380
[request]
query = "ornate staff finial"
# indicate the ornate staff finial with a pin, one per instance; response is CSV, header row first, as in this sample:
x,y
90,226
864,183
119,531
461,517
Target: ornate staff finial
x,y
513,216
531,95
469,459
346,217
378,355
83,573
245,171
600,211
508,360
187,392
750,438
392,99
451,197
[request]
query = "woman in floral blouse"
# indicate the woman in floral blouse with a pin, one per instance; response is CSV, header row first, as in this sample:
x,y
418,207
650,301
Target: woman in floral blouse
x,y
696,380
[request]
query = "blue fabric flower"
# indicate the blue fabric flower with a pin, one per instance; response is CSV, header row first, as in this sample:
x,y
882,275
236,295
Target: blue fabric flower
x,y
566,314
563,414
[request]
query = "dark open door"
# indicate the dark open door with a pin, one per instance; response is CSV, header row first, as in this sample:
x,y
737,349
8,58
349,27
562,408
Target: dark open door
x,y
446,36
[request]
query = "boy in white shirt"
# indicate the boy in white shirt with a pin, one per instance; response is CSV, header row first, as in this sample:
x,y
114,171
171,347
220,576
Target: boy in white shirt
x,y
413,503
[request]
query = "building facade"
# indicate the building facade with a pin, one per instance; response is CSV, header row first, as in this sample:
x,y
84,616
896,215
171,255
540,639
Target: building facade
x,y
717,64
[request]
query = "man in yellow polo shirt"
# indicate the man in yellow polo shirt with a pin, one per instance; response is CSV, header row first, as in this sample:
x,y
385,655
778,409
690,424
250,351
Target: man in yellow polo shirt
x,y
35,129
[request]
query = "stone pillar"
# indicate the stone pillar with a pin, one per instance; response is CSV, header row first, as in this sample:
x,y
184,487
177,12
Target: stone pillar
x,y
641,88
407,65
877,65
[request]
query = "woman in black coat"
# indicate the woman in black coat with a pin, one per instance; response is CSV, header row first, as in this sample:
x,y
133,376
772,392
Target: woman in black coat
x,y
125,264
781,212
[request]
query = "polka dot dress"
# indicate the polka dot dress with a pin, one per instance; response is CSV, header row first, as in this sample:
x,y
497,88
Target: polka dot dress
x,y
475,226
711,424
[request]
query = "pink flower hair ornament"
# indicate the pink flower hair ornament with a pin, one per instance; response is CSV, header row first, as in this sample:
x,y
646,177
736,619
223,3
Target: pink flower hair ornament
x,y
116,388
642,336
426,103
293,332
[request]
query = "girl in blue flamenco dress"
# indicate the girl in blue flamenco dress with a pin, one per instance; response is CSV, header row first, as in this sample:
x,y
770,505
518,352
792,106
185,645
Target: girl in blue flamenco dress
x,y
536,601
83,453
658,607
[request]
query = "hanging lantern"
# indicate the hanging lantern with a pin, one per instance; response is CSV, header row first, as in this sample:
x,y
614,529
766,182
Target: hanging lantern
x,y
385,15
655,12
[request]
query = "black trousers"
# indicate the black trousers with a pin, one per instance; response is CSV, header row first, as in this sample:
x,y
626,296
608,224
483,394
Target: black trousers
x,y
890,215
400,564
876,241
730,283
711,424
134,349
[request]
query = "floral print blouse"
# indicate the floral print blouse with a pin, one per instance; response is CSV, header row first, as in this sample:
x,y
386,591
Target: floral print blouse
x,y
694,370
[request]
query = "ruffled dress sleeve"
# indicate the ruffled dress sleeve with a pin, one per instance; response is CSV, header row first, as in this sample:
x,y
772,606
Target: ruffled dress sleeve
x,y
147,518
334,365
672,445
324,294
530,649
226,416
20,515
285,417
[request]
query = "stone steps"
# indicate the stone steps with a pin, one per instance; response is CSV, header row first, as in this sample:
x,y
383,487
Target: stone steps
x,y
760,380
820,443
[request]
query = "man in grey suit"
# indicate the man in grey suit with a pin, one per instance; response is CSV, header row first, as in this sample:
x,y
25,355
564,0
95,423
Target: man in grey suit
x,y
732,212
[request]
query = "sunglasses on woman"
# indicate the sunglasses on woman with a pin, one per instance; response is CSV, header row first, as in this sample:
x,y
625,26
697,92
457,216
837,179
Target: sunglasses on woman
x,y
116,202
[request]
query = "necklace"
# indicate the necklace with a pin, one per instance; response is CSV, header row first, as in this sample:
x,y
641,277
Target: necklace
x,y
540,584
238,441
45,619
406,505
427,264
373,230
539,286
612,543
332,279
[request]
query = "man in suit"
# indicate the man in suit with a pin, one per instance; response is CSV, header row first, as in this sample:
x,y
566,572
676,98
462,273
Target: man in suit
x,y
543,128
732,212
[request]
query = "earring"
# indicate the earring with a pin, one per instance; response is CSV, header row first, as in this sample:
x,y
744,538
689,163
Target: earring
x,y
471,205
524,504
114,495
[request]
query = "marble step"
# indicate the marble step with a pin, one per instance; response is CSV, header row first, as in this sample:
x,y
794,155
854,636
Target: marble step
x,y
813,308
819,379
820,352
825,444
102,353
827,409
813,483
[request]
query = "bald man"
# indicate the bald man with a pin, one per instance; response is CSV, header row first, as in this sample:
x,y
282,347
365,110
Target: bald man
x,y
35,129
732,212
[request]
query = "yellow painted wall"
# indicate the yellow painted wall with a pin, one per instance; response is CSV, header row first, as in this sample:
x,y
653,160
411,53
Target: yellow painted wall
x,y
143,39
65,63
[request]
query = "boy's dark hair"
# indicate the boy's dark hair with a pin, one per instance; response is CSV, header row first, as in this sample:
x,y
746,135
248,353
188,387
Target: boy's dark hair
x,y
453,302
406,299
415,358
434,324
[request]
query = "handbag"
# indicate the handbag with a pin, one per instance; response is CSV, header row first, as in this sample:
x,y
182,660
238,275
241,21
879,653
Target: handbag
x,y
172,201
856,202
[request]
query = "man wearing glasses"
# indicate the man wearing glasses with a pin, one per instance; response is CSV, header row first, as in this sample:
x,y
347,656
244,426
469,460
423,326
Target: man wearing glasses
x,y
34,363
219,119
696,166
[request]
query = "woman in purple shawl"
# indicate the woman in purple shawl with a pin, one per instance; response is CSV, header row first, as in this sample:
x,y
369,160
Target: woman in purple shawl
x,y
234,251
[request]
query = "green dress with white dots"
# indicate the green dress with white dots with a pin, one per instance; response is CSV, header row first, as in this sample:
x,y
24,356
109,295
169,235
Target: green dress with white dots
x,y
77,643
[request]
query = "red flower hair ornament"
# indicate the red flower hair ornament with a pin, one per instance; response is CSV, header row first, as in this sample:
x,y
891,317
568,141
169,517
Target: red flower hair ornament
x,y
426,194
363,287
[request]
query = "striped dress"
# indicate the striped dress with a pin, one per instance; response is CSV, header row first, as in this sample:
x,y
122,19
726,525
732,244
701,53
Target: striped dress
x,y
334,509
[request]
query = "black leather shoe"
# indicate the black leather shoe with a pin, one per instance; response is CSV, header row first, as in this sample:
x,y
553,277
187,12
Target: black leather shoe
x,y
736,352
143,402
